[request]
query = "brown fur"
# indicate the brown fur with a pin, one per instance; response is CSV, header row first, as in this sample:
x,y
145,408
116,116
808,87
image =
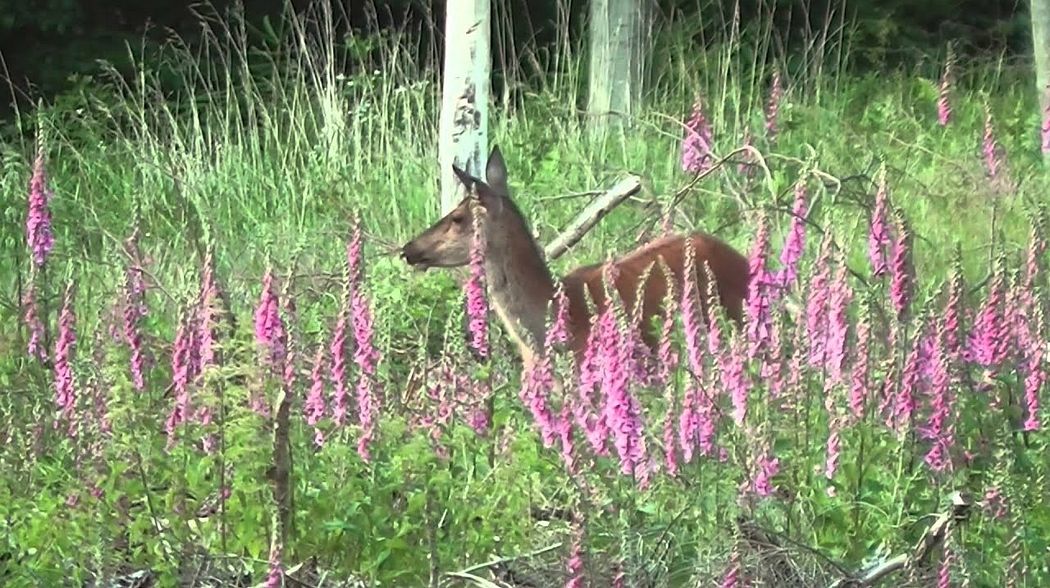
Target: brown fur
x,y
521,285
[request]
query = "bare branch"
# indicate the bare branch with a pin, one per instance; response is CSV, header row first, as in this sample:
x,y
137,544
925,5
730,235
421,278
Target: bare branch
x,y
589,216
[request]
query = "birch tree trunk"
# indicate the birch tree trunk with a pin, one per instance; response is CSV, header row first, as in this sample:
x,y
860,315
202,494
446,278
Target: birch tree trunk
x,y
463,131
1040,14
619,44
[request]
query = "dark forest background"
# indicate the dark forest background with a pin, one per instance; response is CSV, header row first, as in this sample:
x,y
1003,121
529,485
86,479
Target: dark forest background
x,y
45,44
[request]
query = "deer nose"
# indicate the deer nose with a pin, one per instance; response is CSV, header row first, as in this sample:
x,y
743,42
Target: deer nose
x,y
411,254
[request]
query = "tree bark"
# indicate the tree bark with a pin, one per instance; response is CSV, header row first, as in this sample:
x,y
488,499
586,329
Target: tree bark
x,y
1040,16
464,95
619,44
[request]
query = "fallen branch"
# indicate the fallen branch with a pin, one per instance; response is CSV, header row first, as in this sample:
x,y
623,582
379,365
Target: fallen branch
x,y
933,538
589,216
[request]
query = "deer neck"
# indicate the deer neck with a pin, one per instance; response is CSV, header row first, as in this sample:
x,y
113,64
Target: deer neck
x,y
520,287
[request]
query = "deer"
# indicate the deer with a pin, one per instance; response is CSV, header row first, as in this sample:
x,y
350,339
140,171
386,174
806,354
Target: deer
x,y
521,284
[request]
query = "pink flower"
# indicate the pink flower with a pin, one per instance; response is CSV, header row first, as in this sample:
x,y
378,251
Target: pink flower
x,y
691,309
65,389
667,353
758,302
182,373
270,335
944,572
904,402
337,367
990,147
989,339
776,92
796,240
315,404
900,269
817,305
209,299
477,303
766,467
574,565
736,380
275,578
621,410
878,230
938,429
39,236
563,428
858,388
732,576
831,460
366,357
1033,354
134,312
838,327
31,318
590,373
697,145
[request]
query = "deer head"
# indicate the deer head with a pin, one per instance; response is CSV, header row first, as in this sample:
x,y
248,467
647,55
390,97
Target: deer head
x,y
447,242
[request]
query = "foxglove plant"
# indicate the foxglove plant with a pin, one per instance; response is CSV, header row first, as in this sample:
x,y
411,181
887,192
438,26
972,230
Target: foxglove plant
x,y
538,379
574,565
938,429
839,299
338,360
900,268
796,239
776,92
766,467
697,145
758,293
31,318
944,107
817,305
878,229
315,401
993,157
207,313
1034,358
904,401
477,303
858,386
270,334
134,312
65,388
591,420
988,344
621,410
366,357
39,235
182,369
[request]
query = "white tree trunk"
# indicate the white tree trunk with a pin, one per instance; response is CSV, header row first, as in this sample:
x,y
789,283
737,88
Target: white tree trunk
x,y
1040,14
465,85
619,44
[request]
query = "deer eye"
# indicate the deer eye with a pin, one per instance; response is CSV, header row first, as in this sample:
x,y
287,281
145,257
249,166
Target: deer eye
x,y
458,220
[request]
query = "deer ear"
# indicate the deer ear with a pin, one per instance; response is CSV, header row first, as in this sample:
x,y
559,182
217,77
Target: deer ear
x,y
496,171
466,179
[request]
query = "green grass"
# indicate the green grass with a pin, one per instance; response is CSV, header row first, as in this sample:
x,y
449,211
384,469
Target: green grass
x,y
262,148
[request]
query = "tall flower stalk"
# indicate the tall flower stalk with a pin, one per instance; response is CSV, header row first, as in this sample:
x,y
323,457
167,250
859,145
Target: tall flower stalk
x,y
698,144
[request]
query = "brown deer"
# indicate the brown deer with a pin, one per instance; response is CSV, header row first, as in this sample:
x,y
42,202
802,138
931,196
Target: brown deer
x,y
520,284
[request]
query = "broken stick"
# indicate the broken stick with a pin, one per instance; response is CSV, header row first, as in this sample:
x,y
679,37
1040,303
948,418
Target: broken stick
x,y
589,216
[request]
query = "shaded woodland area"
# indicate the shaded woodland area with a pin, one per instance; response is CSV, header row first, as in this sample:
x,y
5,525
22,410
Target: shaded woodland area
x,y
45,42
